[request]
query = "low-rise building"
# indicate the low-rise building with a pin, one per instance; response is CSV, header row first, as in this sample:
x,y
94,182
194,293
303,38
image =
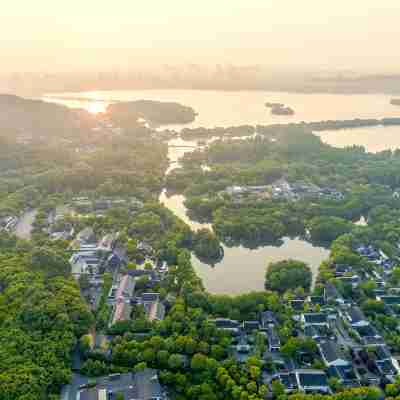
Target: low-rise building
x,y
142,385
316,319
120,297
305,380
154,308
355,317
332,355
267,319
274,343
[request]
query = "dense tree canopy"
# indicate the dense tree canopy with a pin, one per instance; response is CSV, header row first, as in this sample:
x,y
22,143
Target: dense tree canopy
x,y
288,275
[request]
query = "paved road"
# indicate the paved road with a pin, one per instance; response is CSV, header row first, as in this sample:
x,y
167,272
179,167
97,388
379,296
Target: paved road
x,y
23,228
70,392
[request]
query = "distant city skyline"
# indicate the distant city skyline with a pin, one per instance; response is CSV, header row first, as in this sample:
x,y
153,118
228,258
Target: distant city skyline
x,y
91,35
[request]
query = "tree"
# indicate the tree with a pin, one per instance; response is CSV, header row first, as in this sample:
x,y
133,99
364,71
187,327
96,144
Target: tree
x,y
288,275
277,388
84,283
297,345
175,361
206,245
327,229
49,262
199,362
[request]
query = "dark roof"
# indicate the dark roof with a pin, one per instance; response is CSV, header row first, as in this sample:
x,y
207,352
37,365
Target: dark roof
x,y
390,300
355,315
314,331
315,318
288,380
268,317
317,300
226,323
89,394
138,272
251,325
366,331
386,367
273,338
312,378
147,385
142,385
372,340
330,351
382,353
297,304
331,292
150,297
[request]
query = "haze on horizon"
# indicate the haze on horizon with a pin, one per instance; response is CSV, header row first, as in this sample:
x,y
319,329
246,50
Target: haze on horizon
x,y
76,35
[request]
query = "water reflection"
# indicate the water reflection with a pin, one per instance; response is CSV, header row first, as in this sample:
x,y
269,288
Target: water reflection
x,y
242,270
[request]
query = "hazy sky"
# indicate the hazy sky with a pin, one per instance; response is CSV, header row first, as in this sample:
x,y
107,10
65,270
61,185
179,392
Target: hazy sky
x,y
72,34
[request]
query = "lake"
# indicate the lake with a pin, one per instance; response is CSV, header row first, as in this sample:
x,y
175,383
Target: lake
x,y
221,108
242,270
374,139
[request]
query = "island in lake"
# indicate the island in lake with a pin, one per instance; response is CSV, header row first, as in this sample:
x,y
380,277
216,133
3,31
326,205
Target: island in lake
x,y
395,102
156,112
279,109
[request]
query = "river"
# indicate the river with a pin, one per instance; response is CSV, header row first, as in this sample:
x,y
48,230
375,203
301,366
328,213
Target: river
x,y
242,270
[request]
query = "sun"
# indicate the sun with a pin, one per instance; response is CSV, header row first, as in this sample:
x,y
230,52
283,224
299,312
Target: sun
x,y
96,107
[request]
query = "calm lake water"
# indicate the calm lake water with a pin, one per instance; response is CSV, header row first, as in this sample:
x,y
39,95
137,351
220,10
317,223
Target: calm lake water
x,y
241,269
218,108
374,139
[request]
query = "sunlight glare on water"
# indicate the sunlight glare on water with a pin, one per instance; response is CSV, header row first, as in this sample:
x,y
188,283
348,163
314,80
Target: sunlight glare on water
x,y
96,107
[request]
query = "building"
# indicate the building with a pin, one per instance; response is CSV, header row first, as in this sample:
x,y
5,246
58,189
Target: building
x,y
154,308
389,300
274,343
305,380
107,242
386,364
332,295
86,236
368,335
84,262
267,319
120,297
332,355
143,385
355,317
317,332
317,319
312,381
251,326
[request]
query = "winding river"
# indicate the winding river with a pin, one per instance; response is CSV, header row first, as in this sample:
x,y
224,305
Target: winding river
x,y
242,270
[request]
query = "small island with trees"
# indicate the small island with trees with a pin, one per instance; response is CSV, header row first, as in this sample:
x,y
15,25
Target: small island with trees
x,y
288,275
155,112
279,109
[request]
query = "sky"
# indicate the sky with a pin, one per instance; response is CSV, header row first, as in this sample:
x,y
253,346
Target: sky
x,y
64,35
